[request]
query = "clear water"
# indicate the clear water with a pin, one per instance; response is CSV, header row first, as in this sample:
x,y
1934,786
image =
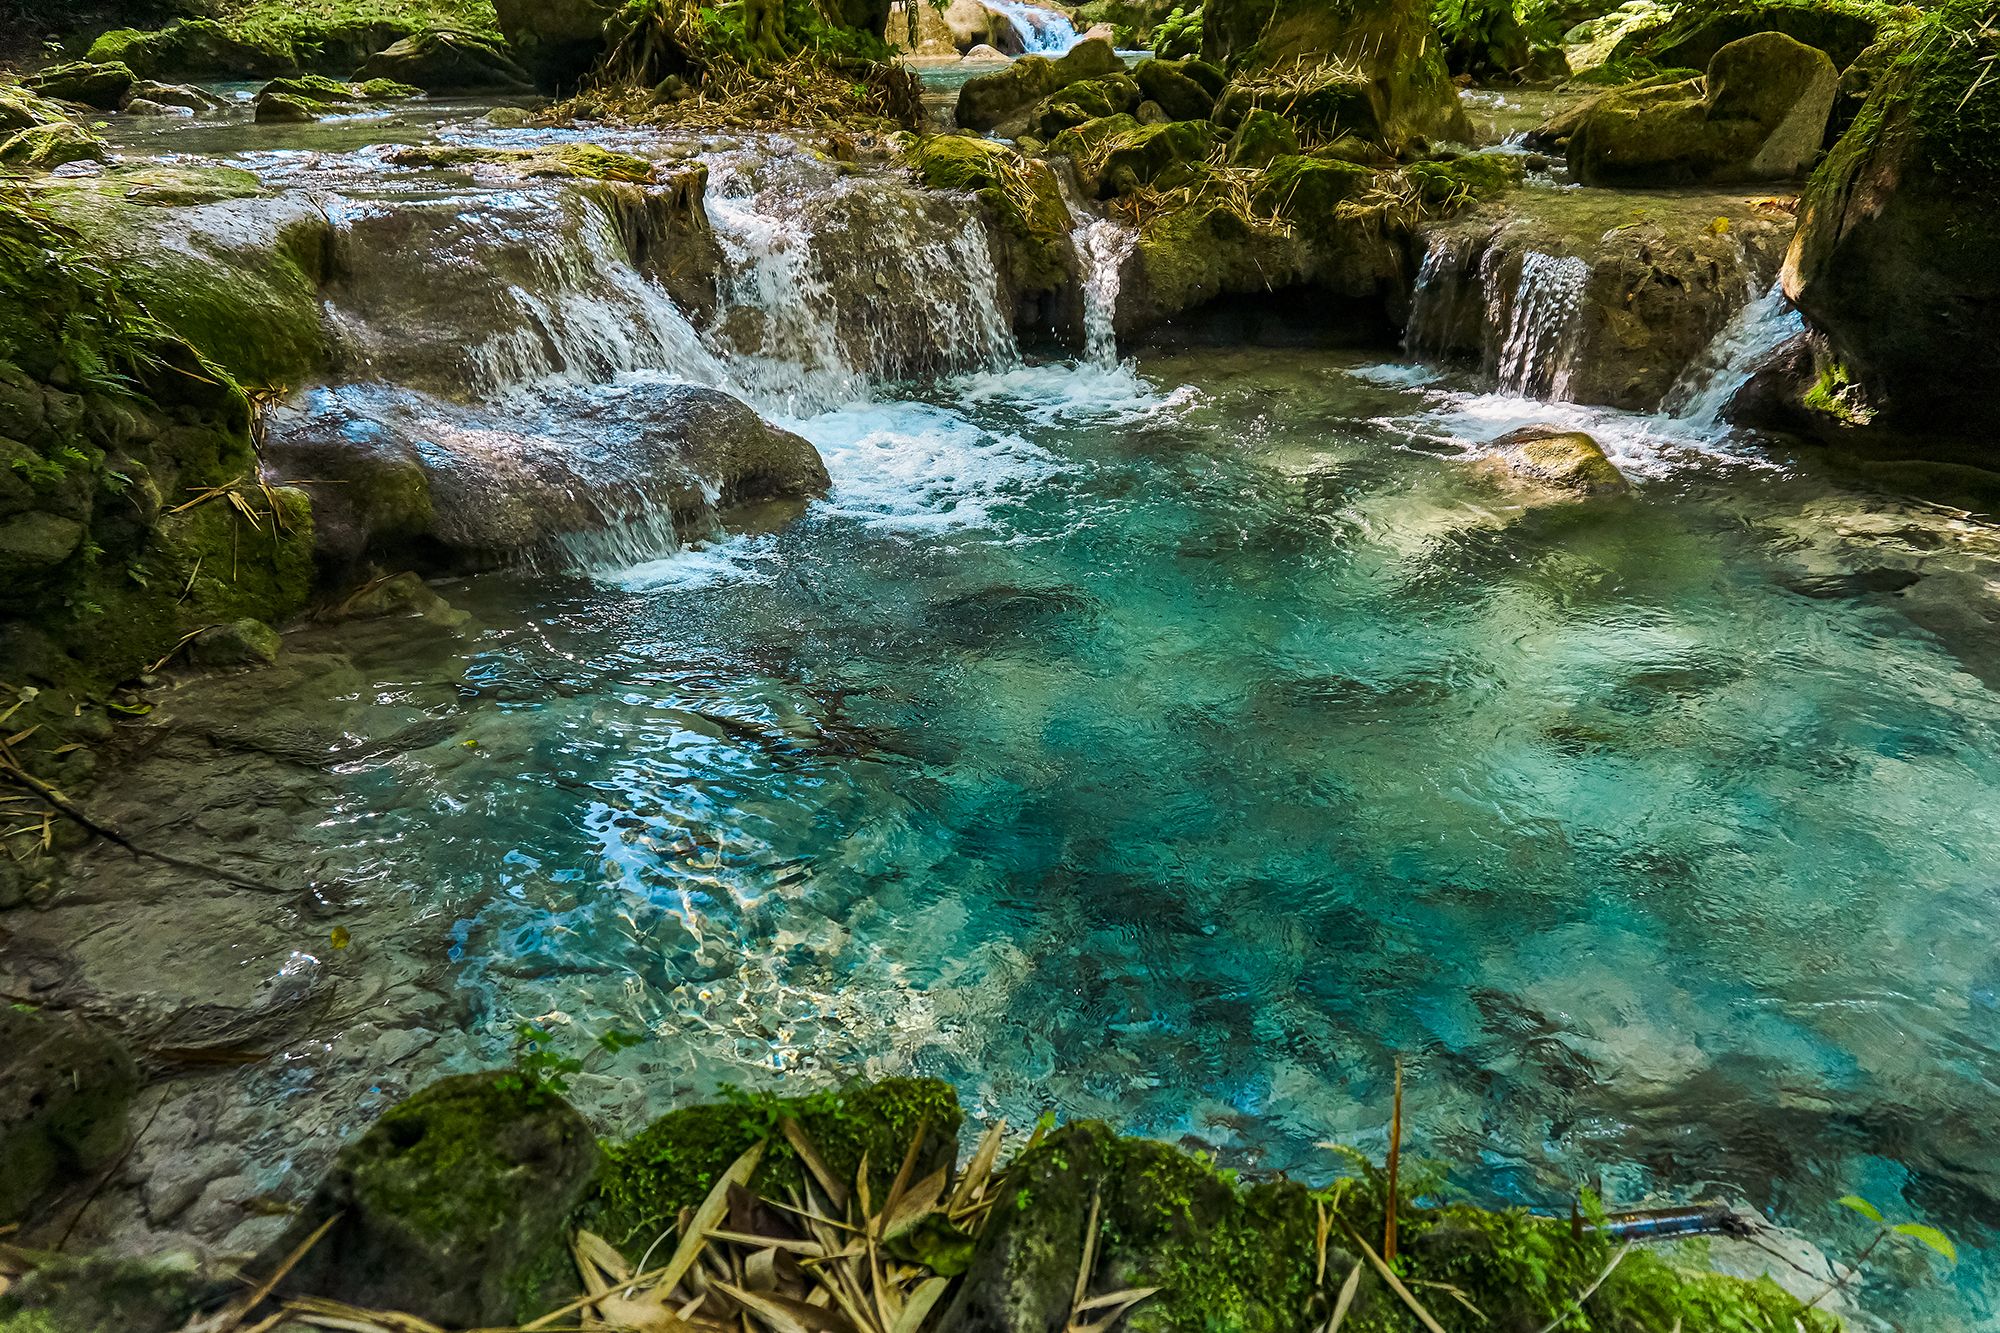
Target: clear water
x,y
1181,746
1180,743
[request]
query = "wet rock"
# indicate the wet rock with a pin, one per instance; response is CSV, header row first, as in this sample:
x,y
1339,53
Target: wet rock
x,y
46,147
309,97
241,643
570,161
195,49
89,1293
404,594
1025,207
1565,460
20,109
1185,89
1759,113
1163,155
64,1092
1606,298
984,52
105,87
175,96
37,541
447,62
142,106
1897,261
1387,46
556,41
1260,136
999,101
454,1207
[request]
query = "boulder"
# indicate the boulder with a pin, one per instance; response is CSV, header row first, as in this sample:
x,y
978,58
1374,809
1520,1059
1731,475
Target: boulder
x,y
448,63
404,594
195,49
1389,45
1564,460
1163,155
1024,204
1086,100
1591,296
64,1090
1001,101
1260,136
1897,260
1334,103
1181,92
21,109
105,87
308,97
178,97
455,1207
1689,36
1759,113
983,52
46,147
240,643
556,41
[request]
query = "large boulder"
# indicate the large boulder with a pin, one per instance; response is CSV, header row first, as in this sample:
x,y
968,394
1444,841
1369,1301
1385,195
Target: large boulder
x,y
1000,101
1185,89
1389,43
556,41
1550,458
1688,36
454,1207
1897,260
196,49
105,87
1759,113
448,63
64,1090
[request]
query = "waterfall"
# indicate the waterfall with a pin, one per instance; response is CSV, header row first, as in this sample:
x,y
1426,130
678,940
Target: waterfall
x,y
1102,245
1706,387
837,283
1542,324
1043,32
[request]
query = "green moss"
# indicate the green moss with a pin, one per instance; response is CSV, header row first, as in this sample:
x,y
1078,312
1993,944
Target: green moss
x,y
1473,178
673,1163
1307,191
1022,195
261,38
576,161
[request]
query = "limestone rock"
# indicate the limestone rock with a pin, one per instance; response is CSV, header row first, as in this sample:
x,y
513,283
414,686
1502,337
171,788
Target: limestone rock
x,y
1897,261
448,63
104,87
1564,460
404,594
46,147
64,1092
556,41
454,1207
1759,113
308,97
240,643
983,52
195,49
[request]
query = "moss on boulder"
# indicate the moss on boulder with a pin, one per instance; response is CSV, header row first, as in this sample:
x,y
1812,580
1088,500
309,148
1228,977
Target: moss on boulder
x,y
1020,194
448,63
1689,35
1897,258
103,87
673,1163
1261,136
1001,101
1085,100
572,161
456,1206
57,144
196,49
1163,156
1184,89
309,97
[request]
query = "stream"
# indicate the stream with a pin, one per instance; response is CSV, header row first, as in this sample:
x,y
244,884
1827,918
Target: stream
x,y
1175,740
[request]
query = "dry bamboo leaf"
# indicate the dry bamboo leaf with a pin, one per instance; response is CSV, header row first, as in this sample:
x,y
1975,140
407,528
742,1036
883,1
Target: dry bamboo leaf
x,y
233,1315
917,1204
1345,1300
802,1144
760,1270
323,1313
1388,1275
774,1315
904,1172
918,1307
973,1183
707,1215
1130,1296
1083,1270
812,1249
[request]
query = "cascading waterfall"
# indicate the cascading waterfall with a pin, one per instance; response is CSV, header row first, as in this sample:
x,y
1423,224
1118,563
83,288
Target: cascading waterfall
x,y
836,284
1705,389
1043,32
1103,246
1542,324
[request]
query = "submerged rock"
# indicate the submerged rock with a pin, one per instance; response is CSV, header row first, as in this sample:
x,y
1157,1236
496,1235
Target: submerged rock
x,y
240,643
455,1207
1759,113
64,1091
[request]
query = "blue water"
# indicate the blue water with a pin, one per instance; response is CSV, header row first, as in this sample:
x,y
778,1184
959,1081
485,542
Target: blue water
x,y
1181,746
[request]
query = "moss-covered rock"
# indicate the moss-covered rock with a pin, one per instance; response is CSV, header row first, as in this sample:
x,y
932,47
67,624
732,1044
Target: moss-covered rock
x,y
196,49
1185,89
309,97
571,161
1759,113
1897,259
1329,103
105,87
1000,101
64,1091
1260,136
1564,460
448,63
1024,200
46,147
1085,100
240,643
673,1163
1165,156
1690,34
455,1206
1473,178
1389,45
99,1293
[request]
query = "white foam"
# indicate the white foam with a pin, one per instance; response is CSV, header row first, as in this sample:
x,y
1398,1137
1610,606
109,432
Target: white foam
x,y
1061,391
732,560
919,468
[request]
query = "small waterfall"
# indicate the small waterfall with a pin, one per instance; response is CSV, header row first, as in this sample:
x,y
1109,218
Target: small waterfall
x,y
1102,245
1439,305
1542,324
1043,32
838,283
1752,333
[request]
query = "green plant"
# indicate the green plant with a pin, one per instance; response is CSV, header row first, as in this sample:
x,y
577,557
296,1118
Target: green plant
x,y
1179,36
538,1066
1921,1232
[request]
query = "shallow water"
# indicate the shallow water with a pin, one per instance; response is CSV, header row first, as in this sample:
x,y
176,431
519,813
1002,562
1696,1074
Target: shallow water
x,y
1180,743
